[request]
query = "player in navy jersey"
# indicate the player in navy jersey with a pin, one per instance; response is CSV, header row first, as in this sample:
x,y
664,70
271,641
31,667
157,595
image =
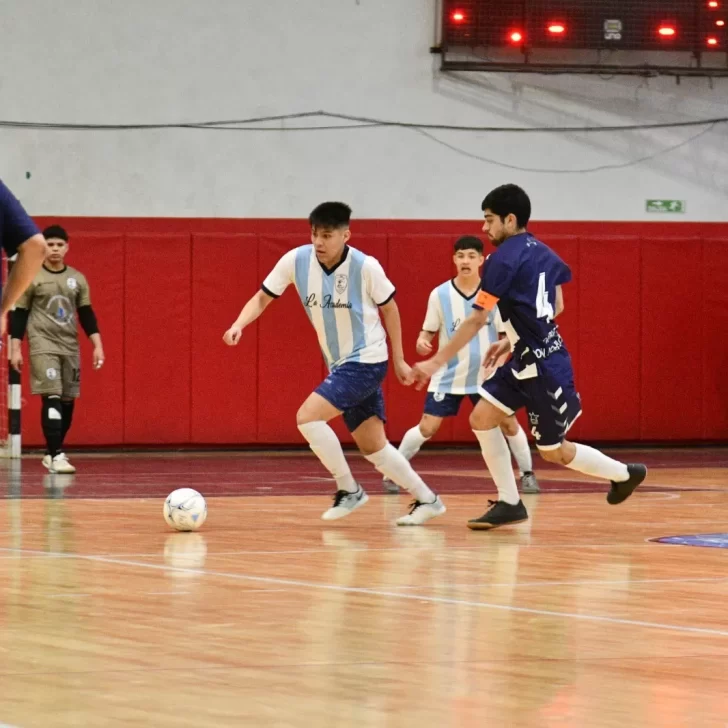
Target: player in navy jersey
x,y
449,304
18,235
350,302
523,278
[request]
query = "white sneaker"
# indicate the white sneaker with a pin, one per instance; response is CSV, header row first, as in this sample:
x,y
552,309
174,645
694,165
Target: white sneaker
x,y
422,512
529,483
47,460
60,464
389,486
344,504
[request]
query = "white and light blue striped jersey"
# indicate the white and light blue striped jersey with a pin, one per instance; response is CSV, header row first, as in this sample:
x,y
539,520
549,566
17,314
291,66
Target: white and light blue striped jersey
x,y
342,303
447,308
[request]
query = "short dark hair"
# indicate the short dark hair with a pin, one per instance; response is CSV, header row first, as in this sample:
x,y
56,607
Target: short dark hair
x,y
55,231
506,200
469,242
330,215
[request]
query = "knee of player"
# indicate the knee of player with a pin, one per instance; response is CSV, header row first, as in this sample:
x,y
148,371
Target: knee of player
x,y
553,456
304,415
486,416
429,426
510,426
369,448
370,437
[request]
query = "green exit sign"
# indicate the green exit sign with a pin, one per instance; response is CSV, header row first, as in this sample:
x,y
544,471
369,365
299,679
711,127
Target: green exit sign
x,y
665,205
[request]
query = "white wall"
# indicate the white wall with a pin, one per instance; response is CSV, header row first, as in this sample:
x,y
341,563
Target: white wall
x,y
157,61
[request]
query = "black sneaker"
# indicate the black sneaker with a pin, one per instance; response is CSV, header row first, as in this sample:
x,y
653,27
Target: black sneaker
x,y
500,513
621,491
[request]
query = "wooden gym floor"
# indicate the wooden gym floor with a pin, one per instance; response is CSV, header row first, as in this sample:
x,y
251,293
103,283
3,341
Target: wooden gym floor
x,y
270,617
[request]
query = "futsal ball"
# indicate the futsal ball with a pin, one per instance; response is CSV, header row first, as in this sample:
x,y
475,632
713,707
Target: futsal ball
x,y
185,509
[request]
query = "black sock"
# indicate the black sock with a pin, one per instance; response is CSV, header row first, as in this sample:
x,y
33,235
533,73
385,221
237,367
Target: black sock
x,y
52,421
67,412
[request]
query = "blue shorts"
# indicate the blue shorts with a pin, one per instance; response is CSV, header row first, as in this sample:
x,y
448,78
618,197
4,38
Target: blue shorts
x,y
356,390
551,399
439,404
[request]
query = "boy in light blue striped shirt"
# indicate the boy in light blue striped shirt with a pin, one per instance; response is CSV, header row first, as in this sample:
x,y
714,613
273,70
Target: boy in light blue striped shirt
x,y
449,305
344,293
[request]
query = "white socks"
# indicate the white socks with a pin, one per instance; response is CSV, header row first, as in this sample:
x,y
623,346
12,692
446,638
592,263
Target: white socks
x,y
391,463
592,462
521,452
497,457
412,441
324,443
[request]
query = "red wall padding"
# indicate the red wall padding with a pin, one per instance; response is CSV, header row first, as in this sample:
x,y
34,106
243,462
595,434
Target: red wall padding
x,y
224,273
609,337
712,332
645,321
157,339
671,384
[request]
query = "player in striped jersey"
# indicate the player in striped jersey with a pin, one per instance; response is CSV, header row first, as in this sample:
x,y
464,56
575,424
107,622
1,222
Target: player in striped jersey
x,y
448,306
344,292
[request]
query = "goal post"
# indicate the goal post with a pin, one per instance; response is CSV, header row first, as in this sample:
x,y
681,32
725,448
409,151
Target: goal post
x,y
10,396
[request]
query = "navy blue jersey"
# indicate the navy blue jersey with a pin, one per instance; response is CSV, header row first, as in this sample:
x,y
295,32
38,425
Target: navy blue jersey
x,y
15,223
523,274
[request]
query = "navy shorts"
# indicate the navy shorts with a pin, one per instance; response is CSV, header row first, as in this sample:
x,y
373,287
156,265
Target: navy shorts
x,y
356,390
439,404
550,398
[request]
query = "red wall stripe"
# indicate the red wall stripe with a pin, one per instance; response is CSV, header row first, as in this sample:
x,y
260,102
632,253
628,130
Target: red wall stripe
x,y
166,289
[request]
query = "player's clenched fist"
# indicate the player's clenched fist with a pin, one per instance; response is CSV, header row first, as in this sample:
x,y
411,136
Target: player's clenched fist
x,y
423,347
233,335
403,371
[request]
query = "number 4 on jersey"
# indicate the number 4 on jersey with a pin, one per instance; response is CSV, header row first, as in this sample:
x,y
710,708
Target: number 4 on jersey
x,y
543,308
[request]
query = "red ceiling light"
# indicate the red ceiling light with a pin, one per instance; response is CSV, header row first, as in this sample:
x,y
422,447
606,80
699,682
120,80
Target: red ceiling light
x,y
713,4
516,36
712,41
556,29
720,23
666,31
458,16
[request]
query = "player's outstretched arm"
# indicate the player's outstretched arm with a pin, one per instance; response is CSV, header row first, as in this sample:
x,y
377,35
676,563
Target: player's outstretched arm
x,y
469,328
251,311
393,323
31,254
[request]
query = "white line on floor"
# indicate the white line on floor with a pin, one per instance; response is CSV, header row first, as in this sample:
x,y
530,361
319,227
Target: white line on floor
x,y
388,594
